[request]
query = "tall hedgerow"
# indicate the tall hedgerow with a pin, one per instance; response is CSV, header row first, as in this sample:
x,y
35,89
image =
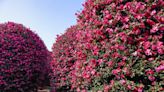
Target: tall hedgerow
x,y
63,59
119,47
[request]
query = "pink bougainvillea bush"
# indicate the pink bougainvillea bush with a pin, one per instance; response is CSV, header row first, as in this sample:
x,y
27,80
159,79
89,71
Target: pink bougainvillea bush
x,y
119,47
63,59
23,59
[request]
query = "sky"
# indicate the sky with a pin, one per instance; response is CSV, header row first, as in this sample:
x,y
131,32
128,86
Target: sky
x,y
47,18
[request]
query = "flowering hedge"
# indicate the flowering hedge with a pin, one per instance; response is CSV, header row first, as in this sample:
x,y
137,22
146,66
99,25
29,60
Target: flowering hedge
x,y
119,47
23,59
122,41
122,46
63,59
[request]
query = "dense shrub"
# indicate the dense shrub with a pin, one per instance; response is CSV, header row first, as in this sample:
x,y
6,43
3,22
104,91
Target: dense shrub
x,y
122,46
63,59
23,59
119,47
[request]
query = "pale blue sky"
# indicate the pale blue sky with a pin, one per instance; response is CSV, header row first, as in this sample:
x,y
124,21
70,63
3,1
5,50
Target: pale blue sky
x,y
46,17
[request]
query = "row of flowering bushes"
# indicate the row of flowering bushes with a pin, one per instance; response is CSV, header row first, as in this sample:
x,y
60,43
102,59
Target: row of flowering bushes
x,y
117,45
24,59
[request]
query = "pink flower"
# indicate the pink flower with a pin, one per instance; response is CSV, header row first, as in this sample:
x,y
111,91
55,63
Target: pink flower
x,y
100,61
134,53
109,30
151,59
153,12
154,29
95,53
153,47
138,16
95,50
78,89
121,47
151,78
125,19
146,45
160,51
110,63
122,76
126,71
149,72
125,26
150,22
148,52
159,44
93,62
111,83
124,58
88,46
115,55
106,88
116,71
140,90
129,87
121,63
162,20
142,25
159,68
93,72
108,16
86,75
122,82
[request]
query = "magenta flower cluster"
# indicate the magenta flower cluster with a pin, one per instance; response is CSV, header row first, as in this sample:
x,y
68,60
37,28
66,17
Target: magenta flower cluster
x,y
116,46
23,59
